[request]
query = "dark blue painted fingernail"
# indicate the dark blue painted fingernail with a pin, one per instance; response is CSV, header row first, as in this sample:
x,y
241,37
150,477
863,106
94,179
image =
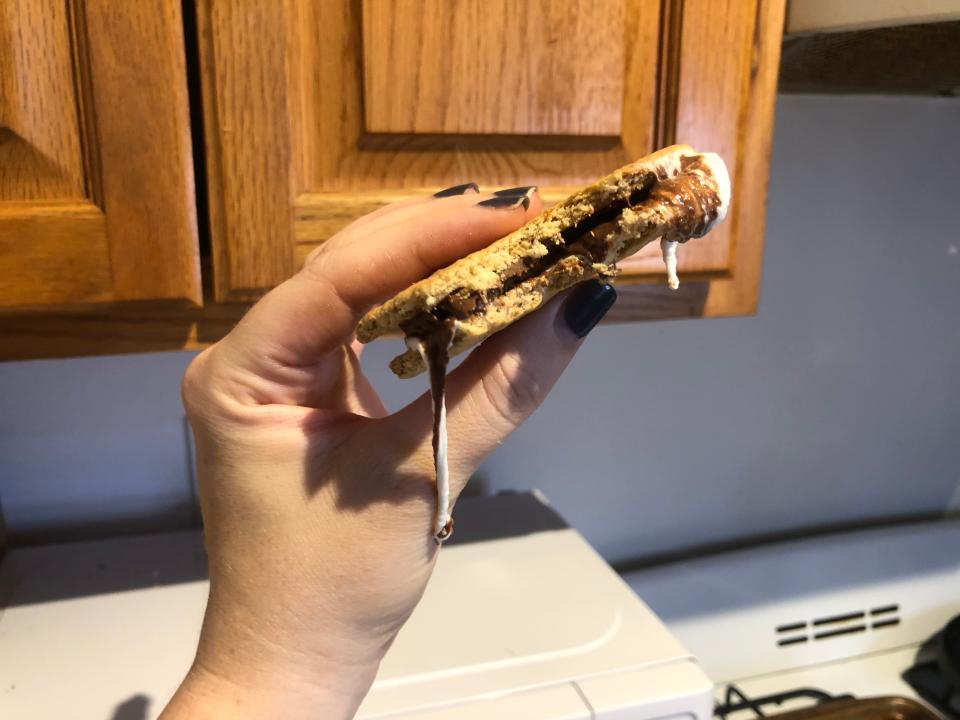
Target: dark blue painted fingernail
x,y
458,190
506,201
587,306
523,190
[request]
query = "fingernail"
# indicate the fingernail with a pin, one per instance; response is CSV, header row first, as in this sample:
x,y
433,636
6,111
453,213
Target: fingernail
x,y
587,306
523,190
506,201
457,190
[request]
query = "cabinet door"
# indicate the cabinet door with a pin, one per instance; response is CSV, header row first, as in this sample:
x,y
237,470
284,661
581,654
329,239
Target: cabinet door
x,y
96,170
319,111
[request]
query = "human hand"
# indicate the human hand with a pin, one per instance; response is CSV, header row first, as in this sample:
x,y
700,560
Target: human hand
x,y
318,505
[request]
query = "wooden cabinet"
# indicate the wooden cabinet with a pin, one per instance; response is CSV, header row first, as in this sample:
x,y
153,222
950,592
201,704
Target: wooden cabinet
x,y
315,112
327,109
96,170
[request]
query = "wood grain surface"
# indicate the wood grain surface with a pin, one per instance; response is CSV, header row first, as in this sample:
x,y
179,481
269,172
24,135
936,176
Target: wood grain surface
x,y
284,119
686,76
141,113
337,154
40,157
133,327
97,202
704,97
243,50
728,57
543,67
740,294
53,253
724,102
310,64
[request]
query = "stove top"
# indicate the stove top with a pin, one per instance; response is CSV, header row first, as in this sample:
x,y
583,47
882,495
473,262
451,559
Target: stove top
x,y
822,706
736,701
808,625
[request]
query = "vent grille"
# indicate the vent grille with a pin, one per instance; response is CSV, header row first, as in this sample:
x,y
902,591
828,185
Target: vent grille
x,y
832,626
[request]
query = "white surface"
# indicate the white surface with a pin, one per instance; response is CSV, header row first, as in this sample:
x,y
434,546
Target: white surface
x,y
558,702
105,650
85,657
841,15
535,626
543,610
613,697
839,401
726,608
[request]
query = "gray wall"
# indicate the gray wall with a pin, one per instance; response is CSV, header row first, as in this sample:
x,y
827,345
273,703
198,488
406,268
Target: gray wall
x,y
839,401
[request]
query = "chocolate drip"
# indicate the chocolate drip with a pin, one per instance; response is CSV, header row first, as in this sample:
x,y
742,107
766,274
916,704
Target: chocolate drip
x,y
435,336
437,345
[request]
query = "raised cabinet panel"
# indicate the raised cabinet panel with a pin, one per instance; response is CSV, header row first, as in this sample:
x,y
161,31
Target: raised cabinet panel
x,y
297,82
550,67
40,155
317,112
96,171
336,153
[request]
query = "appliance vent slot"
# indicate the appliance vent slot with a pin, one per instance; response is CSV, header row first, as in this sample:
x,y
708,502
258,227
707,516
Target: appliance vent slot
x,y
840,631
792,640
790,627
826,627
837,619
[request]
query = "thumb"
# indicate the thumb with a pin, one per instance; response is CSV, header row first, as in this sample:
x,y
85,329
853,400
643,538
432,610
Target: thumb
x,y
505,379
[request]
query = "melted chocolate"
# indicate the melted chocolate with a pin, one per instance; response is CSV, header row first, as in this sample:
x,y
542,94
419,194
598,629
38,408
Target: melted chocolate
x,y
696,204
696,207
438,352
436,336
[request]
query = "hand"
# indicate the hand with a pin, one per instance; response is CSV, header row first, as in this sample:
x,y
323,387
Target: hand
x,y
317,503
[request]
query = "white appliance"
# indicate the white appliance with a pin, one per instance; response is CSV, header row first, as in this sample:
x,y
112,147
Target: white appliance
x,y
534,626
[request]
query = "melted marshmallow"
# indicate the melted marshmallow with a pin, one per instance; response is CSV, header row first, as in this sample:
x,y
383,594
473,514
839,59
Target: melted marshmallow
x,y
669,250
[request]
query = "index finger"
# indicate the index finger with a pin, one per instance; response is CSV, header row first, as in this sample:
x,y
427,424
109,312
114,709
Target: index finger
x,y
317,309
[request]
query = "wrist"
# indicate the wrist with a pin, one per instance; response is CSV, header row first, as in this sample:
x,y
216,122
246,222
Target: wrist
x,y
205,694
241,672
236,691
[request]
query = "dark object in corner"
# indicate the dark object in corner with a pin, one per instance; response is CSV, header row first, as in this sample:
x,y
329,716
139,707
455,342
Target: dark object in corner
x,y
903,60
936,676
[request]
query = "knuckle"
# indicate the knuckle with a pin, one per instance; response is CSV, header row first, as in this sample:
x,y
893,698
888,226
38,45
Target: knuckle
x,y
193,385
317,261
201,392
314,254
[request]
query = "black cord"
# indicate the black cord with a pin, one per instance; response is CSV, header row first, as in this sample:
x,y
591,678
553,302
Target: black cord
x,y
735,700
734,693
